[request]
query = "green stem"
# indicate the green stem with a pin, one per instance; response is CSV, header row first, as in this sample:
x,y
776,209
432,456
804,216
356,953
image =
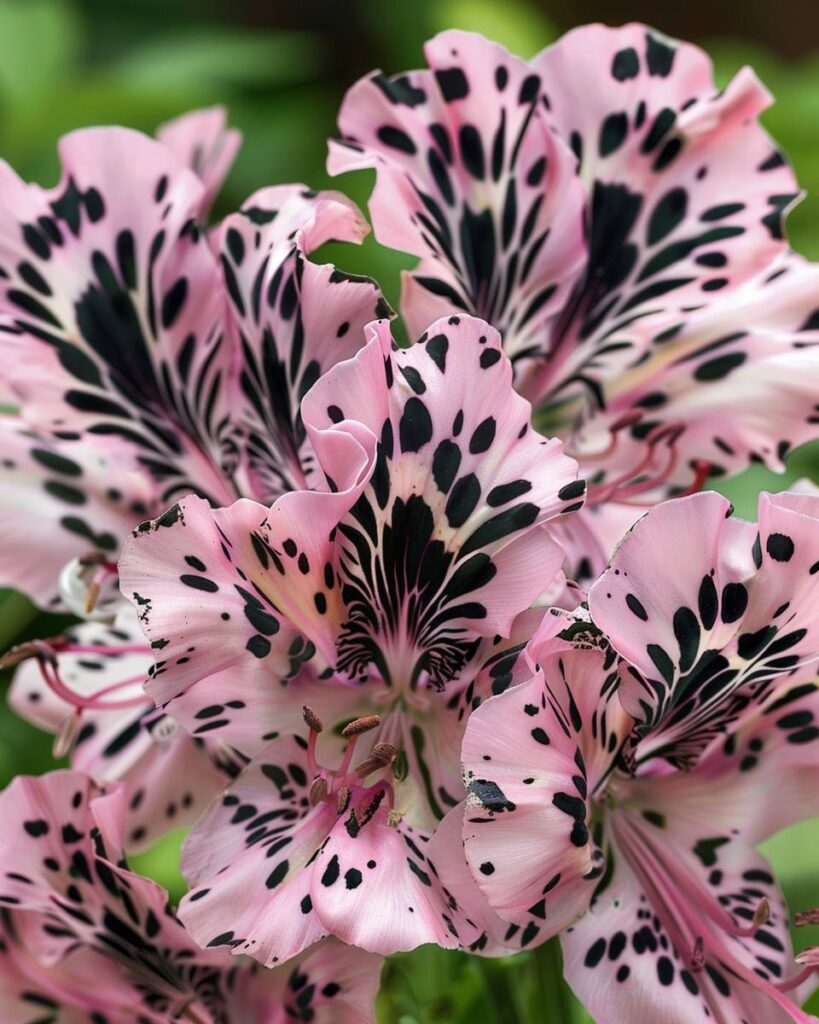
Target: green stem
x,y
554,991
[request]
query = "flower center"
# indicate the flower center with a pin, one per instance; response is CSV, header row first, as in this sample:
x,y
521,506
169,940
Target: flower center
x,y
337,785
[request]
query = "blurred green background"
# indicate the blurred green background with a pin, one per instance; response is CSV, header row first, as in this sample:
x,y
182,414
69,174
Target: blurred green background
x,y
281,69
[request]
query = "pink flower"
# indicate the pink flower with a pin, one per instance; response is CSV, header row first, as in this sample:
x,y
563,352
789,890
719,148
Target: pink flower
x,y
620,221
123,326
86,938
622,801
397,594
144,354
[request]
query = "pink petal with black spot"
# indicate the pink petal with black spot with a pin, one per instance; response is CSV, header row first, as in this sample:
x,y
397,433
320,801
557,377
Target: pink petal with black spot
x,y
687,191
113,302
291,320
62,500
712,612
471,179
202,141
197,578
657,945
534,759
78,908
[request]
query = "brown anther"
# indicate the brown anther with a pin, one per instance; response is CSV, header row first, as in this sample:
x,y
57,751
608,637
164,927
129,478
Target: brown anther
x,y
361,725
314,723
803,917
762,913
93,558
42,649
318,790
394,819
67,736
698,955
343,801
371,764
384,752
628,419
92,596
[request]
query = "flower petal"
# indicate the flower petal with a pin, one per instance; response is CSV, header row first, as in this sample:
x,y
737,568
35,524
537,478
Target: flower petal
x,y
250,860
61,500
688,192
198,579
470,179
533,758
291,320
202,141
459,480
114,300
732,612
628,958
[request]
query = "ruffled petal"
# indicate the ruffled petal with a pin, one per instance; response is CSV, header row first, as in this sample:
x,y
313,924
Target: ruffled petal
x,y
282,860
113,302
712,612
202,140
470,179
329,984
753,351
251,858
459,481
533,759
198,580
688,192
62,500
291,320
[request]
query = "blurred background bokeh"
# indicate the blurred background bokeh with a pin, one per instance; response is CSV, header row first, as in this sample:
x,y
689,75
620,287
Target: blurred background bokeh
x,y
281,68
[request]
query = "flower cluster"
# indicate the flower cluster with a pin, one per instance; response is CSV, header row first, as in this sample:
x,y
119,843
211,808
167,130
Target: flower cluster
x,y
356,612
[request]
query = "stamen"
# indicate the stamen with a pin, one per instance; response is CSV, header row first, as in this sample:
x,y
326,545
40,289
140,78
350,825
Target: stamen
x,y
384,752
393,817
318,790
67,736
361,725
797,979
343,799
628,419
803,917
43,649
314,723
382,755
352,731
646,476
315,726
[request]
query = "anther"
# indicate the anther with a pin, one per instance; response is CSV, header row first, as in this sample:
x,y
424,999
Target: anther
x,y
343,799
361,725
43,650
803,917
318,790
92,596
761,914
394,818
384,752
67,736
314,723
